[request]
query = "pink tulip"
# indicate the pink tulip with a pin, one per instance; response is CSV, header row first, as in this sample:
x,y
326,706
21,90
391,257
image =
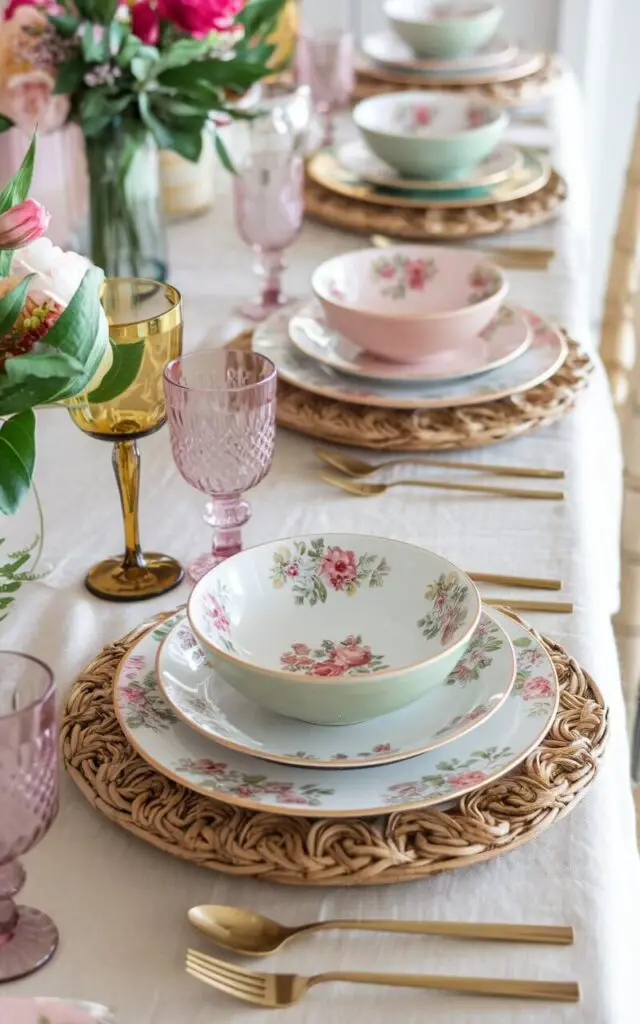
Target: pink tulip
x,y
23,224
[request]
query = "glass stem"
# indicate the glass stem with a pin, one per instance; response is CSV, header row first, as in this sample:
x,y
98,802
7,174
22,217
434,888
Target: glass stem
x,y
328,131
12,876
227,516
269,267
126,466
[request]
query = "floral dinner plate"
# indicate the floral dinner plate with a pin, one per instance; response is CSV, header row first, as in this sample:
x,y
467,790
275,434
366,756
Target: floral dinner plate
x,y
545,355
505,338
469,762
386,48
475,689
518,66
356,157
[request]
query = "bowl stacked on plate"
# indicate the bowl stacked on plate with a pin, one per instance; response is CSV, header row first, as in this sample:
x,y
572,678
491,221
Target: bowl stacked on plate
x,y
336,675
433,43
411,327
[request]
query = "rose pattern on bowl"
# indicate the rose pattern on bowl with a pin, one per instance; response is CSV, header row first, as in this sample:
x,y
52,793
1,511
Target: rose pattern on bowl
x,y
144,705
399,274
313,570
485,282
485,641
216,610
349,657
240,784
451,775
413,118
478,114
503,318
448,595
460,721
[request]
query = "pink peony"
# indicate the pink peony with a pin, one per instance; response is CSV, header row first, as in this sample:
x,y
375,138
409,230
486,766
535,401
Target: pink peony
x,y
200,17
288,659
422,115
133,694
386,271
327,669
23,224
300,649
145,22
351,656
293,570
415,273
210,767
245,791
340,567
466,778
289,798
536,687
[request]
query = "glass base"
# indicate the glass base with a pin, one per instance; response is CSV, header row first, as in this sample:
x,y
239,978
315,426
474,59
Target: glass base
x,y
32,944
201,566
259,309
110,581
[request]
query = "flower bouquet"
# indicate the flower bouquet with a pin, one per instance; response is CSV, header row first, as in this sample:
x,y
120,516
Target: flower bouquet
x,y
54,345
136,77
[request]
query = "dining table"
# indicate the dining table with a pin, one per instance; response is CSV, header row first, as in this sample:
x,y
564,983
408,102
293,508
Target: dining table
x,y
121,905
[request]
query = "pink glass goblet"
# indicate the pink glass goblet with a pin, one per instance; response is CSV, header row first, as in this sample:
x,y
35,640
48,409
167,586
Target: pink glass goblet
x,y
28,804
221,408
325,62
269,207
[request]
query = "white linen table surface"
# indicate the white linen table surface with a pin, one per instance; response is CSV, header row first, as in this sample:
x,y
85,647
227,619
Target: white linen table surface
x,y
121,905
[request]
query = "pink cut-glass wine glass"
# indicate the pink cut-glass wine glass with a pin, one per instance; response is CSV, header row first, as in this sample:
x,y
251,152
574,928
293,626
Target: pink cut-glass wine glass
x,y
325,62
269,204
28,804
221,408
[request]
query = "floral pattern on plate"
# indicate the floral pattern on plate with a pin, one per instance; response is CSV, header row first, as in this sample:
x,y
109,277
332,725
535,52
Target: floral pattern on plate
x,y
485,282
504,317
349,657
448,595
145,707
400,274
487,753
486,640
315,569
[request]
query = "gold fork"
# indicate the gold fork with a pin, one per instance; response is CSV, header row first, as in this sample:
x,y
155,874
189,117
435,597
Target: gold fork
x,y
279,990
353,466
366,490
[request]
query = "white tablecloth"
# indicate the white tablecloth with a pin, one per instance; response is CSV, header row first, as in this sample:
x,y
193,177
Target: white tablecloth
x,y
121,906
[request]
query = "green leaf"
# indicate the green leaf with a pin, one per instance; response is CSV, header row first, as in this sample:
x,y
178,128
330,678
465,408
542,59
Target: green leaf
x,y
117,35
259,16
95,44
17,459
129,49
5,123
186,141
64,24
11,304
127,360
223,154
17,190
70,75
521,641
46,365
236,75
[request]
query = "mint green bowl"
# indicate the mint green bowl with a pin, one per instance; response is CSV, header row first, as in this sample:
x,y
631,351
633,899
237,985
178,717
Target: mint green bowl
x,y
468,27
449,144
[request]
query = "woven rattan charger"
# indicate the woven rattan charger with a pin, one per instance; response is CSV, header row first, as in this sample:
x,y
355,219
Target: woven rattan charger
x,y
397,430
299,851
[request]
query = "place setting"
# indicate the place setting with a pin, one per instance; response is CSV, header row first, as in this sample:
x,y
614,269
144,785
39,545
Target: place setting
x,y
430,44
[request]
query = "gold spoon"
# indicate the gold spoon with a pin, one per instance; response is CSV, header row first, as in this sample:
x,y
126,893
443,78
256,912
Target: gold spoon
x,y
251,934
358,467
365,490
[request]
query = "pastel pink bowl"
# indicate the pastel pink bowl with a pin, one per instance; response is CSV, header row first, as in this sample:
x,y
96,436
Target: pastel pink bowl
x,y
407,301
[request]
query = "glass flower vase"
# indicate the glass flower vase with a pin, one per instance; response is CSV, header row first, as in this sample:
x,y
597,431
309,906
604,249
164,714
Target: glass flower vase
x,y
125,225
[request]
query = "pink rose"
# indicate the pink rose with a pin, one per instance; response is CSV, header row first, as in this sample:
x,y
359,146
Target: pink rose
x,y
352,657
415,273
23,224
406,789
536,687
133,694
217,615
340,567
382,748
293,570
466,778
289,798
386,271
200,17
278,787
288,659
244,791
210,767
145,22
300,649
327,669
422,115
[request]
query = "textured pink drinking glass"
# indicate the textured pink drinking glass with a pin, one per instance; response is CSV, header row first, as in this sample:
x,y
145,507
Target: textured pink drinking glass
x,y
28,804
325,62
269,203
221,408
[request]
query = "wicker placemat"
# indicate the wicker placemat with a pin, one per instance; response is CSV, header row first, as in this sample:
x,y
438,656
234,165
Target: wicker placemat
x,y
530,89
451,223
398,430
299,851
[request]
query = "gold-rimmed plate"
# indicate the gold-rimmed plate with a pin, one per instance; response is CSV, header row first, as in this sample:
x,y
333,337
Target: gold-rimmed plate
x,y
388,50
356,158
522,65
470,762
326,170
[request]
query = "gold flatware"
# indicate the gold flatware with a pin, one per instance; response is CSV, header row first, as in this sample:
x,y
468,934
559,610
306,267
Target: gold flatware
x,y
251,934
517,605
279,990
524,257
526,582
359,467
366,490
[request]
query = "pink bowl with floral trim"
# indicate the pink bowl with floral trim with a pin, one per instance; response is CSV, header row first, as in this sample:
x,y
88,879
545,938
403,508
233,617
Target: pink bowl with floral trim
x,y
334,629
406,302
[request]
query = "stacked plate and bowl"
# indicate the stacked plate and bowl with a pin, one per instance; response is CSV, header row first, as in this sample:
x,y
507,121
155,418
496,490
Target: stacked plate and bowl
x,y
333,676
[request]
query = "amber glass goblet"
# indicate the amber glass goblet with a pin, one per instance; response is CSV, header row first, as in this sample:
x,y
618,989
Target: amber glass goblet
x,y
146,314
